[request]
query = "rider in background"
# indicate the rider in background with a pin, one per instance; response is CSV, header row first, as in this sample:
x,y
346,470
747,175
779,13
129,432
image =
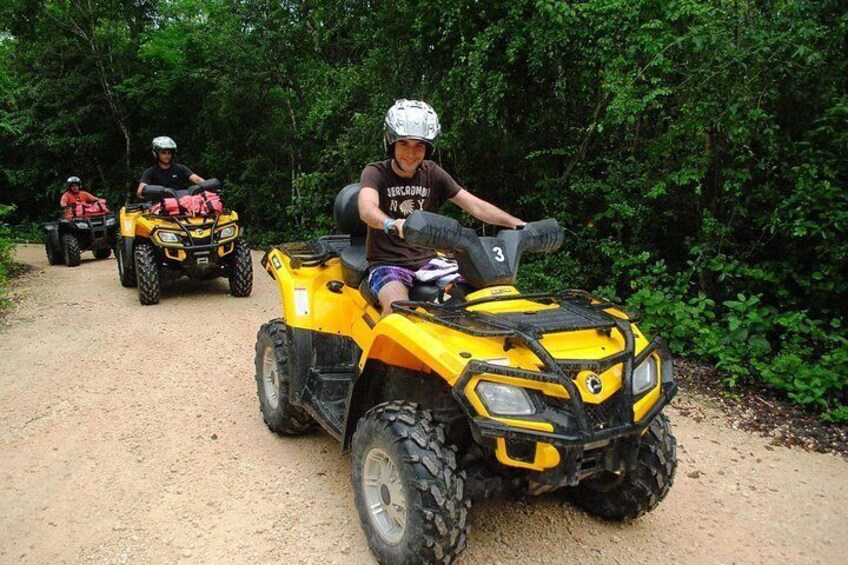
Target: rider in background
x,y
74,193
165,172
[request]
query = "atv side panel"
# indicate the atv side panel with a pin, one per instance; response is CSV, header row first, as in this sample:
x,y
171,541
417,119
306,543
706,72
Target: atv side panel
x,y
307,298
323,368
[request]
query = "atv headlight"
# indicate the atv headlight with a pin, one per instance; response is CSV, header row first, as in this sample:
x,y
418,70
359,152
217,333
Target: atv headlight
x,y
82,225
227,232
645,376
505,399
110,221
168,237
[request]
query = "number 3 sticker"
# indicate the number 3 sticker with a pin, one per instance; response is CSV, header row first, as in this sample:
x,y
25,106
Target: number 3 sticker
x,y
499,256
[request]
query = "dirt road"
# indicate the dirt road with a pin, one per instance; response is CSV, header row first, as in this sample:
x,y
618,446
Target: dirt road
x,y
133,434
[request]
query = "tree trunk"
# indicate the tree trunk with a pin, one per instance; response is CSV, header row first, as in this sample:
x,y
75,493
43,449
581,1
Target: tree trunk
x,y
83,27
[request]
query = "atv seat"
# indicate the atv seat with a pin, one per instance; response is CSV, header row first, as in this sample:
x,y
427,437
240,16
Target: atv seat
x,y
422,292
346,213
354,263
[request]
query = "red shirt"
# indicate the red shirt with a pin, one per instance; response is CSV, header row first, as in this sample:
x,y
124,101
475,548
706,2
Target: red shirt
x,y
69,198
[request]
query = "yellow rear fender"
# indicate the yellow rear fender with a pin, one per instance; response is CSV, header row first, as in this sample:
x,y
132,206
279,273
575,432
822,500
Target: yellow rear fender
x,y
315,298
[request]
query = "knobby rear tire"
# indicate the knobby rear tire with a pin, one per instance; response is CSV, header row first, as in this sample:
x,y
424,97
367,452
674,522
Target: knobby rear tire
x,y
126,274
54,256
241,271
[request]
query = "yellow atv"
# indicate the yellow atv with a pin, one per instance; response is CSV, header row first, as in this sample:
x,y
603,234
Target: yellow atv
x,y
155,245
466,390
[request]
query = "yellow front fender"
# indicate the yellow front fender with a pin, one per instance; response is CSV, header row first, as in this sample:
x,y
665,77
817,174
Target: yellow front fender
x,y
412,344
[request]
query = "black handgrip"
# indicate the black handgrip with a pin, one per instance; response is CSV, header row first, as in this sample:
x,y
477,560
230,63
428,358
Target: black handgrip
x,y
156,192
211,185
542,237
432,231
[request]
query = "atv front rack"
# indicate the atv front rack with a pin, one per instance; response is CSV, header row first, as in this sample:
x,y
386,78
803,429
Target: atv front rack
x,y
153,216
578,310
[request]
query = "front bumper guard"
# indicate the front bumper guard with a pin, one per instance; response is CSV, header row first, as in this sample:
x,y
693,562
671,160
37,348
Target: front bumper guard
x,y
573,433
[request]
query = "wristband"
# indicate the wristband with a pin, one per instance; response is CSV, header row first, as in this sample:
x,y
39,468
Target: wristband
x,y
387,225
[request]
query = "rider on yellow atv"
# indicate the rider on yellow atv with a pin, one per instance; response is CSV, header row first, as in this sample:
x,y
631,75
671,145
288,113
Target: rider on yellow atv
x,y
409,181
467,389
166,172
184,230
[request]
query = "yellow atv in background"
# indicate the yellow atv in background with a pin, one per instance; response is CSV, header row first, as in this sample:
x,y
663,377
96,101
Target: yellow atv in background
x,y
464,391
154,247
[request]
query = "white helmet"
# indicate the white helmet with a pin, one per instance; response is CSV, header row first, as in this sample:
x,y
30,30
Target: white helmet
x,y
411,119
163,142
73,180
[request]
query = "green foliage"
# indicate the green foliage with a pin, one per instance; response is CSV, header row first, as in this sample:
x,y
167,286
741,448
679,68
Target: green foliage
x,y
694,151
28,232
749,341
6,249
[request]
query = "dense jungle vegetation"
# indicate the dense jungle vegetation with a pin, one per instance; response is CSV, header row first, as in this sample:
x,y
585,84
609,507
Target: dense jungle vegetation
x,y
695,151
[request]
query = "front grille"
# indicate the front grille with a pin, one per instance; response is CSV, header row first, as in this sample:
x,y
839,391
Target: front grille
x,y
604,415
201,240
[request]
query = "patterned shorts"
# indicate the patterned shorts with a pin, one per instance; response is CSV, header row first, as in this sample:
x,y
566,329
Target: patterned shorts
x,y
383,274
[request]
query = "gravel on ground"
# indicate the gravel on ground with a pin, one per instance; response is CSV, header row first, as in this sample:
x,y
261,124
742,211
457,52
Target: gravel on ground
x,y
132,434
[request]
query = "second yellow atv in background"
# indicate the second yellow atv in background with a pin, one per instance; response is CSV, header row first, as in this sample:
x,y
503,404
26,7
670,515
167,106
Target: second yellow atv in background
x,y
464,391
157,243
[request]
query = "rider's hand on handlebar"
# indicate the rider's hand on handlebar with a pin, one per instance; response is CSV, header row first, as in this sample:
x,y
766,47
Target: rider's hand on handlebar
x,y
397,228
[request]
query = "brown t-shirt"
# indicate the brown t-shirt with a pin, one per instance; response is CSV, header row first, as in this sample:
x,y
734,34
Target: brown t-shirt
x,y
427,190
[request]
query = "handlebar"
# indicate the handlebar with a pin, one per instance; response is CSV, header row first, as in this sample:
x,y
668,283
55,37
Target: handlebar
x,y
156,192
211,185
483,261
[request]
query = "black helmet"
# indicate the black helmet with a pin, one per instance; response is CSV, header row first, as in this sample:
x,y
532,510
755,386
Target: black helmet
x,y
411,119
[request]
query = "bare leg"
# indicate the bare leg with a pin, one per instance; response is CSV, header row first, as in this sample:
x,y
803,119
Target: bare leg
x,y
392,291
